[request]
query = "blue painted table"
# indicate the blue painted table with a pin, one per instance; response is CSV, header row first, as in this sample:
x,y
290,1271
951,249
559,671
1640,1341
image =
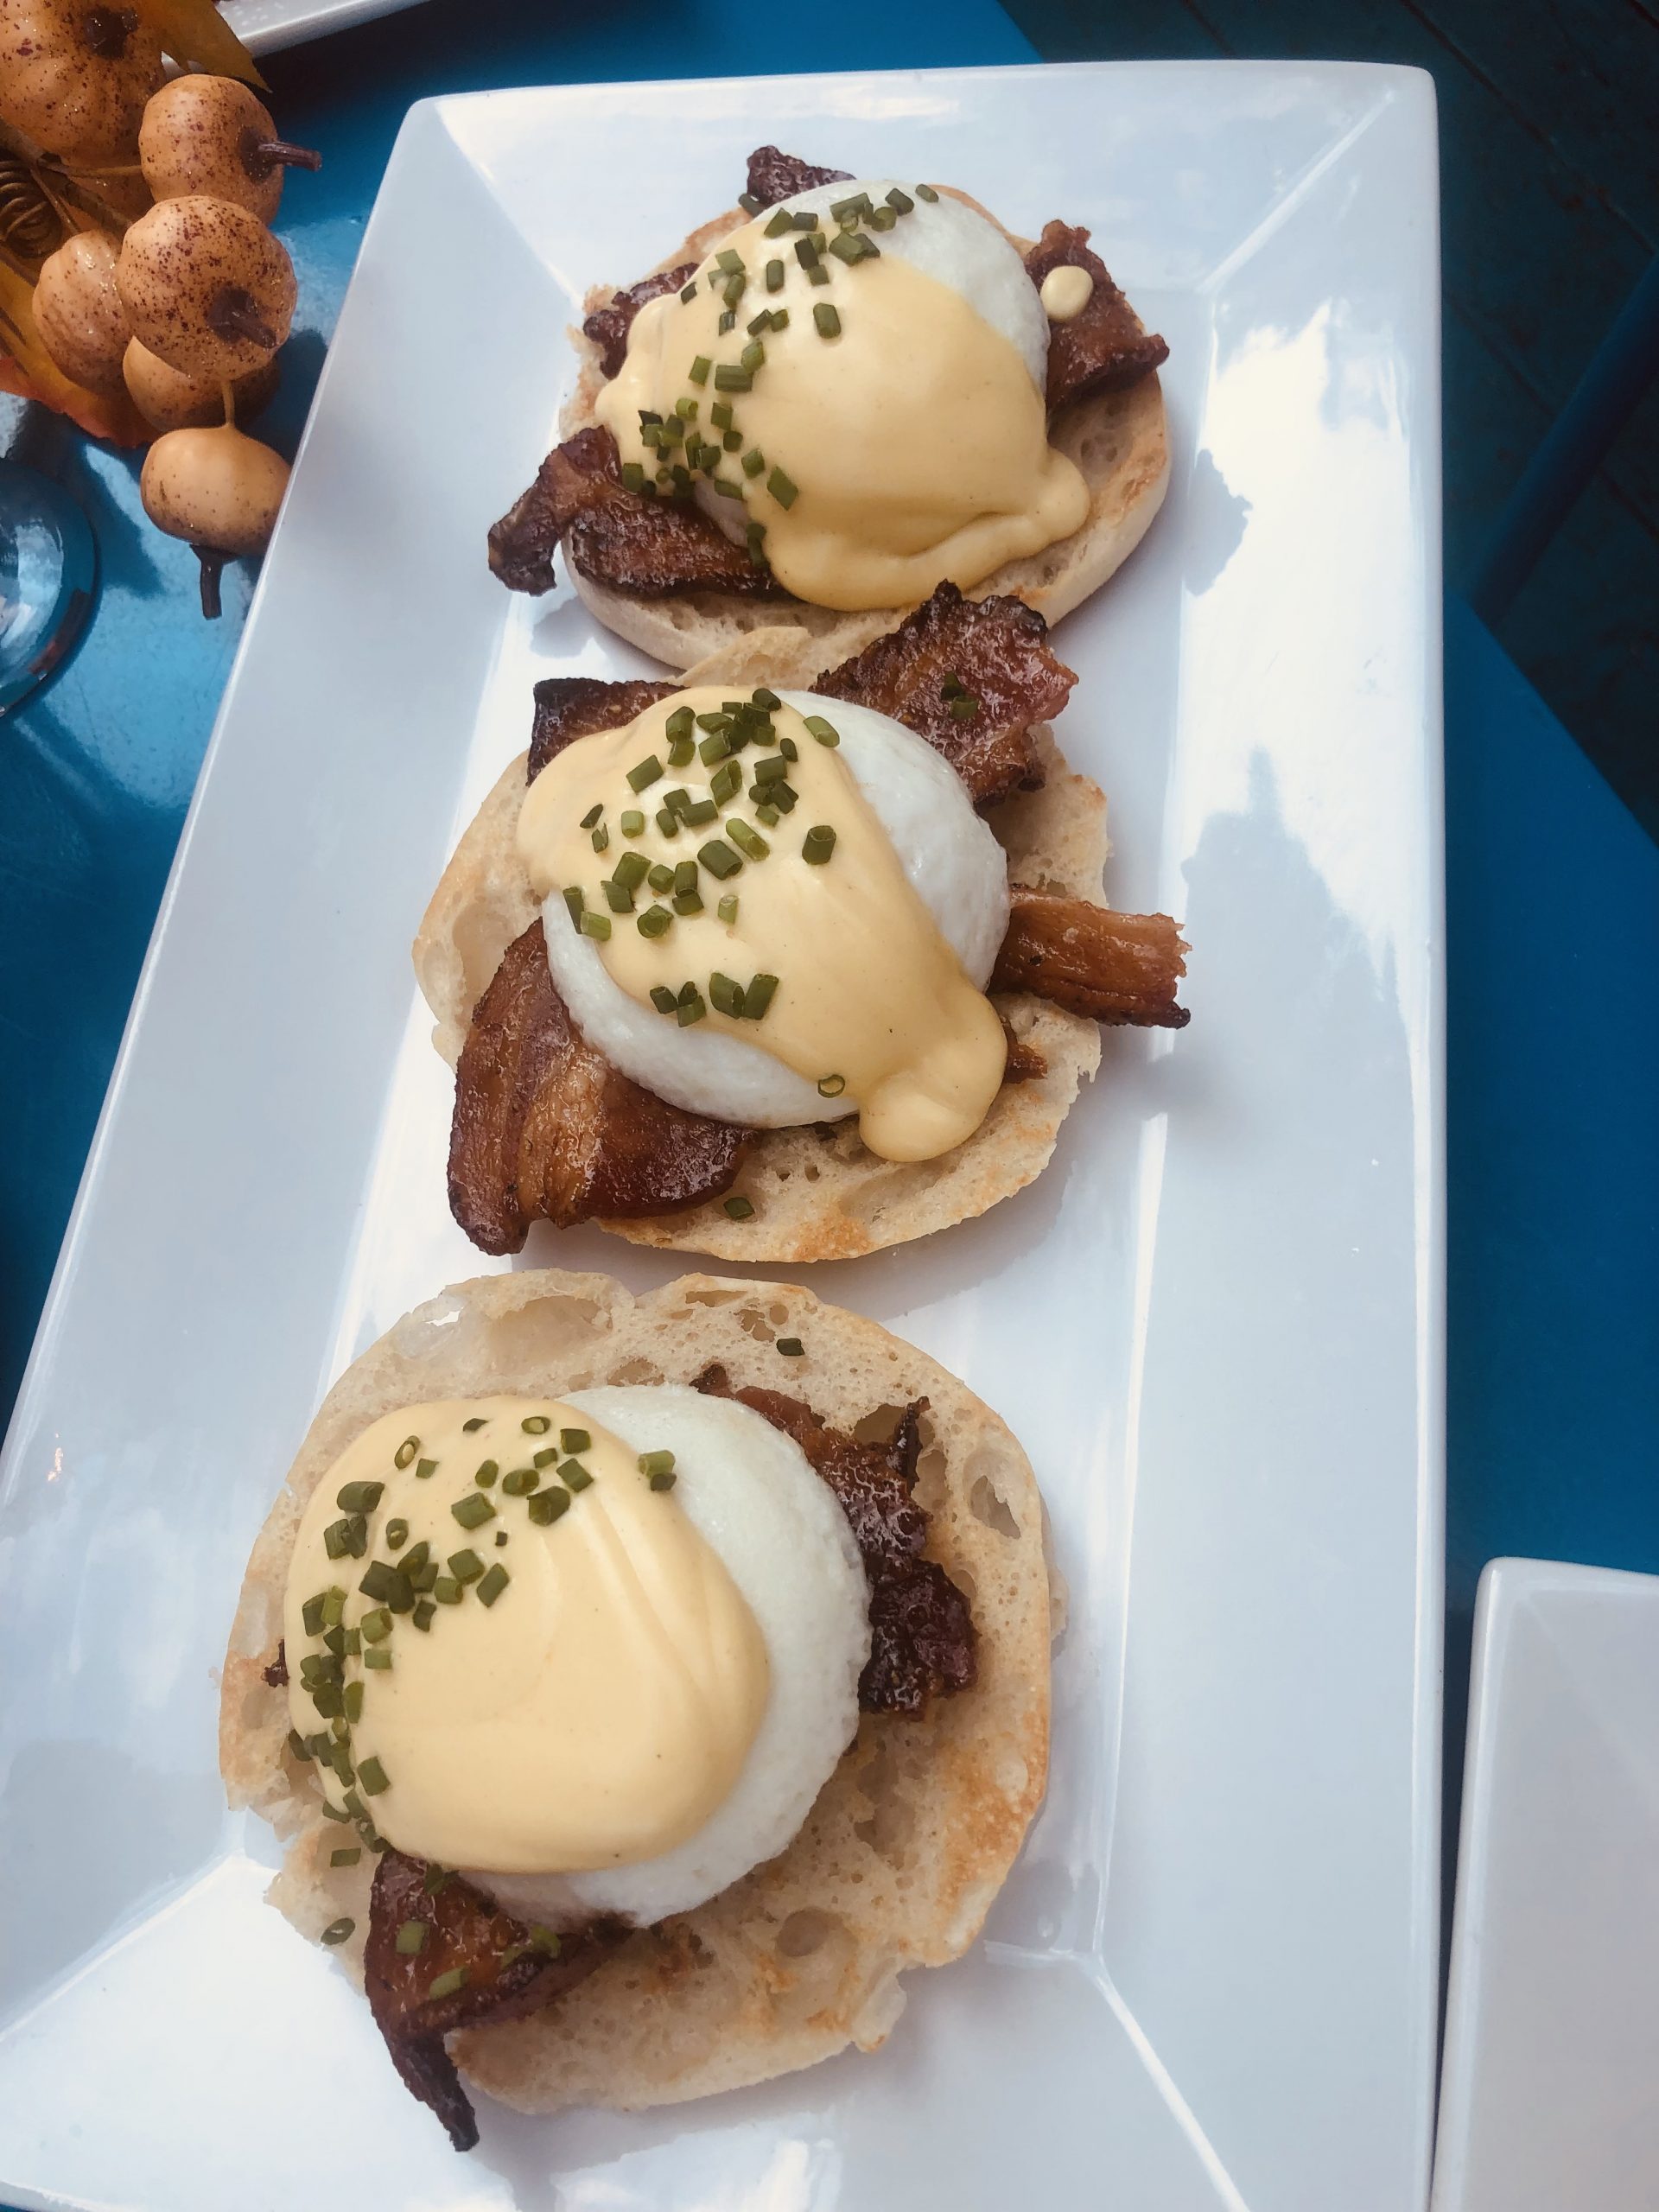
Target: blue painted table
x,y
1553,890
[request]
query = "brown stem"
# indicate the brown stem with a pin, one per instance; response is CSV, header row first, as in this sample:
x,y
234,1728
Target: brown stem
x,y
213,567
107,31
261,156
232,313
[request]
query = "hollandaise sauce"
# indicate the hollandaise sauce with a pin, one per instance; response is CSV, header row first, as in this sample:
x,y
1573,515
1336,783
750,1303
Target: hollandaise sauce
x,y
509,1649
855,420
723,857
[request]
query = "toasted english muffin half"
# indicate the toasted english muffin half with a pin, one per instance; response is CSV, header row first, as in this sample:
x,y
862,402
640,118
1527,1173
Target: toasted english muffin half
x,y
818,1192
909,1839
1120,441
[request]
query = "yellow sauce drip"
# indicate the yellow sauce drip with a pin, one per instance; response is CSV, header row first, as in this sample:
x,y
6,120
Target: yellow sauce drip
x,y
595,1715
915,438
869,990
1065,292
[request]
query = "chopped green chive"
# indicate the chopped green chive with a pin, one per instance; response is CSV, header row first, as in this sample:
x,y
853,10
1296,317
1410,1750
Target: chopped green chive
x,y
719,859
446,1985
373,1778
663,999
828,321
334,1605
379,1658
353,1701
781,221
852,245
634,477
363,1497
806,253
478,1420
729,378
596,925
573,1475
492,1586
574,1440
774,275
781,489
726,995
387,1586
446,1590
820,842
753,461
882,219
465,1566
405,1451
730,260
424,1468
691,1007
738,1208
726,782
656,1462
668,822
753,357
588,821
333,1812
600,840
927,191
473,1512
337,1931
900,202
348,1855
546,1505
424,1608
375,1626
750,842
572,896
687,902
757,996
773,771
633,824
297,1746
699,369
831,1086
817,274
411,1937
487,1472
645,772
826,733
617,897
655,921
311,1614
396,1534
728,321
538,1424
804,219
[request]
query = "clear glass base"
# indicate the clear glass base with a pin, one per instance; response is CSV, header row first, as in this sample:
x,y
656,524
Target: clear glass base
x,y
49,576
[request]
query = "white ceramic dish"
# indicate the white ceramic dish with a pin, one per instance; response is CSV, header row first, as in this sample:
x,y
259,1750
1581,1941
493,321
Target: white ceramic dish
x,y
1546,2096
1216,1323
265,25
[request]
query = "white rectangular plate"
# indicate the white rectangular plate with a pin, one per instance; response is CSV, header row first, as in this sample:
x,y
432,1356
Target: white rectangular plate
x,y
1553,2011
1216,1322
266,26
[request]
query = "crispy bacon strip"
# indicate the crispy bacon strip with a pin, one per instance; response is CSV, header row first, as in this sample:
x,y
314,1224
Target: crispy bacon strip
x,y
509,1971
1105,348
608,327
1113,968
923,1634
569,706
775,176
545,1127
652,547
996,651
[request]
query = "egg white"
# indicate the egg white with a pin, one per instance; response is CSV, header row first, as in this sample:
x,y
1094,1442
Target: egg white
x,y
954,862
750,1493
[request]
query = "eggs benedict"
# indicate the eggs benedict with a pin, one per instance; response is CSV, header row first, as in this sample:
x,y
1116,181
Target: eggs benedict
x,y
742,964
557,1678
847,392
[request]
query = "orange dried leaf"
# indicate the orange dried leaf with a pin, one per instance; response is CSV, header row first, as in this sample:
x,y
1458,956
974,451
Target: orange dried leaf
x,y
28,370
195,35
